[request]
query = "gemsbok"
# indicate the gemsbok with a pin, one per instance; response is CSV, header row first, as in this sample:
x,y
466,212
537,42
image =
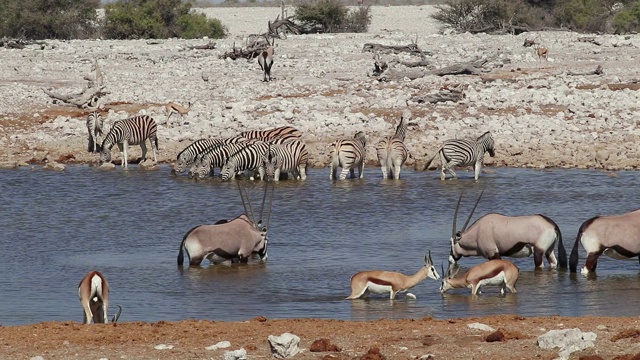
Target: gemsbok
x,y
617,236
175,108
93,292
495,235
496,272
382,282
230,240
265,60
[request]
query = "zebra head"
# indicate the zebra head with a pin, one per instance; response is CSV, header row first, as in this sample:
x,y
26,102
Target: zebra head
x,y
487,141
228,170
270,163
105,155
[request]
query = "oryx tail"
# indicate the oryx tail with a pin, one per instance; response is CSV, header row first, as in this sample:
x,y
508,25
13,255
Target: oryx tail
x,y
180,253
573,259
562,253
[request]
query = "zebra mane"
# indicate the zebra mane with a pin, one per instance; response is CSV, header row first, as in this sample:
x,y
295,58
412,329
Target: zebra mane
x,y
485,134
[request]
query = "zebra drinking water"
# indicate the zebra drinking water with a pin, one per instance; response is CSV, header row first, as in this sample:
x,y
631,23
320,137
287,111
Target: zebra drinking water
x,y
283,132
348,153
95,124
216,157
291,156
457,152
132,131
188,156
392,152
249,158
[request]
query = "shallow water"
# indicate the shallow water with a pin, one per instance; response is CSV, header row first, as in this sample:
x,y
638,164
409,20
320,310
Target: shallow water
x,y
57,226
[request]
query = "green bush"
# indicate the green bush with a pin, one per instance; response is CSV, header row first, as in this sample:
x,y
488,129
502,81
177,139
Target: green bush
x,y
332,16
475,15
48,19
582,15
628,19
157,19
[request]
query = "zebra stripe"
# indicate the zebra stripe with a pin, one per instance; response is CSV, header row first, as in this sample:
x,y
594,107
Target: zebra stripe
x,y
132,131
464,153
95,124
284,132
392,152
250,158
189,154
215,158
348,153
289,157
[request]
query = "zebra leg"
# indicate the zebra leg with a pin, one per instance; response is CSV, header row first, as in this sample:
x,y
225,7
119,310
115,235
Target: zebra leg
x,y
276,175
361,169
302,171
143,146
352,171
477,169
448,168
123,149
343,173
445,166
396,169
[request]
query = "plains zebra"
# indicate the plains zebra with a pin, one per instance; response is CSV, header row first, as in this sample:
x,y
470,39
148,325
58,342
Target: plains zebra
x,y
392,152
216,157
188,155
95,124
348,153
291,156
132,131
283,132
250,158
457,152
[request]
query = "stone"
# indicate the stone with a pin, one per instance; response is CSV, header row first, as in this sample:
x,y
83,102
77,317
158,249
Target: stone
x,y
568,340
240,354
107,166
149,164
284,346
323,345
495,336
52,165
479,326
219,345
163,347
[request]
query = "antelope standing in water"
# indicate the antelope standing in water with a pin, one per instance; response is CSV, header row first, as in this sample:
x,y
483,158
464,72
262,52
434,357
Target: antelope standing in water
x,y
495,272
495,235
382,282
230,240
93,292
617,236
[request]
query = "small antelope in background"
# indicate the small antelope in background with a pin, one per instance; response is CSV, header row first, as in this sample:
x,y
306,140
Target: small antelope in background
x,y
617,236
382,282
542,52
93,292
175,108
265,60
495,272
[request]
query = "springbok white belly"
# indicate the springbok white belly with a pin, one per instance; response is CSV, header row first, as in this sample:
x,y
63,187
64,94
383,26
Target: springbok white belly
x,y
615,255
497,280
378,289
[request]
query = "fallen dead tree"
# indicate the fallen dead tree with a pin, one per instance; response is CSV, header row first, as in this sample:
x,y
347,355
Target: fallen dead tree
x,y
208,46
19,43
90,97
249,52
441,96
474,67
412,49
598,71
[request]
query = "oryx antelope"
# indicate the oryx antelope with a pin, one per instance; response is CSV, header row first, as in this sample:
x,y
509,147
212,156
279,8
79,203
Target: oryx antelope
x,y
265,60
131,131
494,235
188,155
93,292
348,154
230,240
392,152
617,236
382,282
457,152
496,272
282,132
95,124
175,108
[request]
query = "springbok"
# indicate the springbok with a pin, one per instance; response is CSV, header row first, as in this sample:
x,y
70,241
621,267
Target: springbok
x,y
230,240
93,292
265,60
495,235
175,108
382,282
617,236
496,272
542,52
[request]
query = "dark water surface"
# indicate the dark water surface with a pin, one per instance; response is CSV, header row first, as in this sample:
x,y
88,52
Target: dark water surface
x,y
57,226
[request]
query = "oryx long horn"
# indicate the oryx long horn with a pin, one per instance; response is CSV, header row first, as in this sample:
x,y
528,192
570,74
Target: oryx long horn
x,y
264,198
455,216
117,315
472,210
253,214
244,204
273,190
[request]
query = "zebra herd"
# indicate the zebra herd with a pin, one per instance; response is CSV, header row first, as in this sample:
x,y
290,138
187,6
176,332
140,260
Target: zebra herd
x,y
282,150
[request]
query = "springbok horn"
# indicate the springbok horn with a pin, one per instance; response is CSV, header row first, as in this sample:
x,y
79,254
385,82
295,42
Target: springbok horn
x,y
430,261
455,217
117,315
445,275
472,210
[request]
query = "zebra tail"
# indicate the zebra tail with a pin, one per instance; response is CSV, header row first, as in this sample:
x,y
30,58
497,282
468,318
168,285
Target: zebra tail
x,y
426,166
156,141
335,161
90,145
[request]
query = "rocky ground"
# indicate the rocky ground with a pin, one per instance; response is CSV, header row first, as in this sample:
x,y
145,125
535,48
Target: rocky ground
x,y
541,113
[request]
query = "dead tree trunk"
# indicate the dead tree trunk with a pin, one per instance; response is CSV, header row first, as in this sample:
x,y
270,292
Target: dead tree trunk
x,y
90,97
412,49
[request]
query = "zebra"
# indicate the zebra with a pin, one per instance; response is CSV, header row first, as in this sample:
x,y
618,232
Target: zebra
x,y
189,154
392,152
132,131
456,152
95,124
283,132
250,158
348,153
216,157
291,156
